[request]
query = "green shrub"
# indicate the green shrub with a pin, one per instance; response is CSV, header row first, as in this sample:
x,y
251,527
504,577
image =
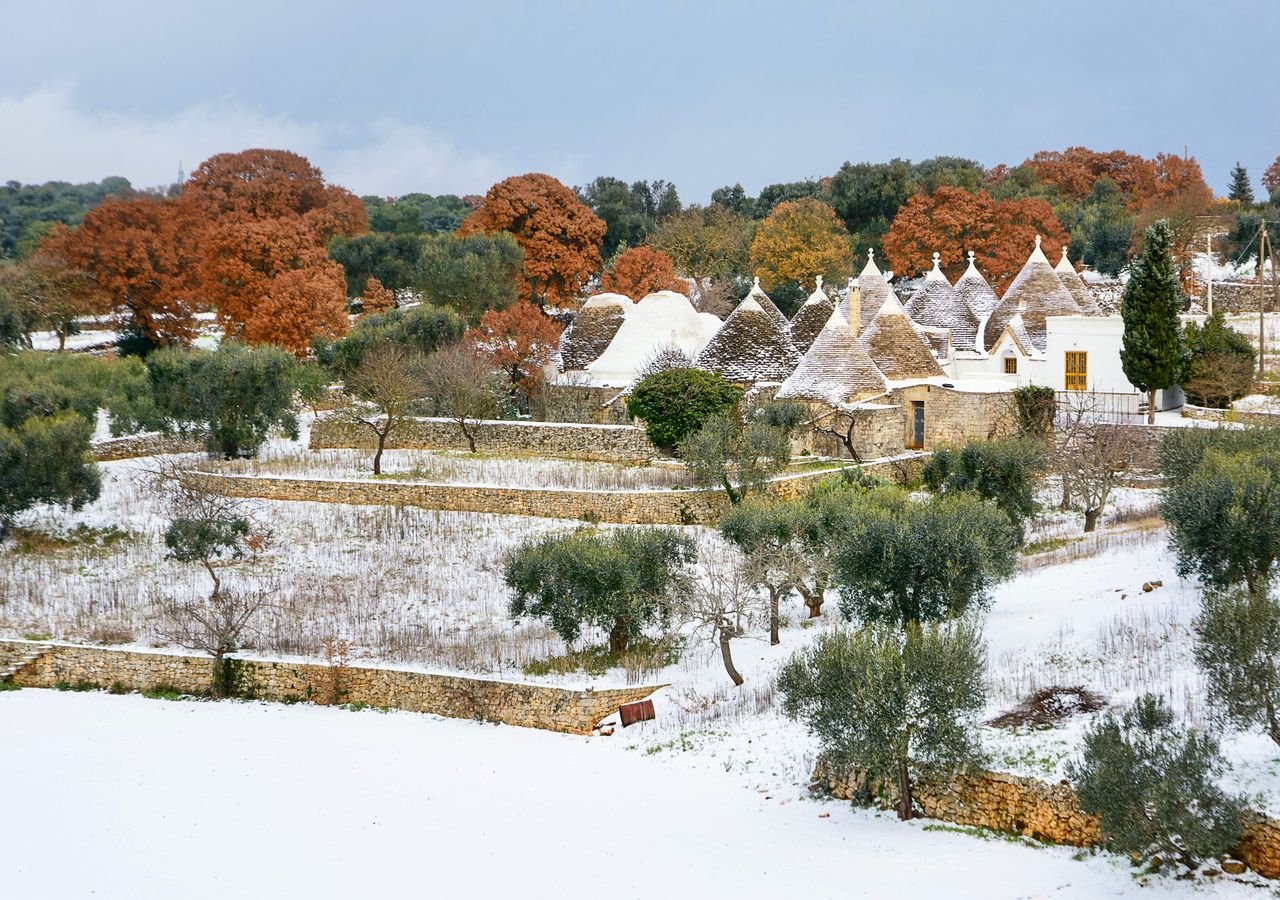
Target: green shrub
x,y
1004,471
1222,363
1035,407
1238,649
1153,786
674,403
1181,450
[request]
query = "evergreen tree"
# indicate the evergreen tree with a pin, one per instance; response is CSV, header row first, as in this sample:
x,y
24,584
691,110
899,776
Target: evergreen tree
x,y
1241,190
1153,354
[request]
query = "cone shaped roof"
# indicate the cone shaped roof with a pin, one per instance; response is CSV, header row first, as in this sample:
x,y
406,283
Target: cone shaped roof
x,y
1038,286
811,317
938,305
896,347
1075,285
757,294
592,329
976,293
875,291
750,346
836,369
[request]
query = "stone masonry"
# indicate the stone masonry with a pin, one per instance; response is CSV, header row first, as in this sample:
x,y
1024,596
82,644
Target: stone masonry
x,y
455,696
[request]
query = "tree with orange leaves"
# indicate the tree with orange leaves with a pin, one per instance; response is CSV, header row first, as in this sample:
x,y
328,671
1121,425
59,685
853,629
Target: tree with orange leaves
x,y
798,240
559,234
641,271
269,217
142,253
1074,172
1271,178
519,340
376,298
953,221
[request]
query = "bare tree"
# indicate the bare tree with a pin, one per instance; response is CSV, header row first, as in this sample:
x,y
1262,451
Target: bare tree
x,y
461,386
209,529
844,425
1218,378
1093,456
722,604
381,392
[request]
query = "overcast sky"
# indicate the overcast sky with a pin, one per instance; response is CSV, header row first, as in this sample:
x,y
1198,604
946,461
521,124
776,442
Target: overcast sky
x,y
404,96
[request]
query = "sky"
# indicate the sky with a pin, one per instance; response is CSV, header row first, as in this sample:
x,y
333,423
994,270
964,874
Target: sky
x,y
401,96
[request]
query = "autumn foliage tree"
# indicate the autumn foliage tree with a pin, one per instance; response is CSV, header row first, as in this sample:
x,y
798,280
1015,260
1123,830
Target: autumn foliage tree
x,y
953,221
142,253
560,236
518,340
641,271
376,298
798,240
268,217
1271,177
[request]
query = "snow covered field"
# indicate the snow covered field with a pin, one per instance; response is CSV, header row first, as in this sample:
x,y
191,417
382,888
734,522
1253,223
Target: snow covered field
x,y
129,798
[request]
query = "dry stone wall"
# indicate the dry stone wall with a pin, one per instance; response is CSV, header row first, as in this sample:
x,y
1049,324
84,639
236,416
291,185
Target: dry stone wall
x,y
455,696
1207,414
1027,806
610,443
136,445
639,507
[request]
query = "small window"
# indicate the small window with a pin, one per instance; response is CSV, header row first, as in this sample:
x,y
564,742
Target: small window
x,y
1077,370
1011,365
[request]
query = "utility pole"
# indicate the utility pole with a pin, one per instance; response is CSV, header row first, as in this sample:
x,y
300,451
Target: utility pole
x,y
1208,247
1264,250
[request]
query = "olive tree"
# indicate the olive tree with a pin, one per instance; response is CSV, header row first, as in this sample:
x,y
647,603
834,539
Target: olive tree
x,y
621,580
1154,786
1005,472
1238,649
738,456
887,701
900,560
1225,518
45,459
722,603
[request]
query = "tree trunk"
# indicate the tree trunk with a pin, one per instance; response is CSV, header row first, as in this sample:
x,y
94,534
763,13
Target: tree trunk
x,y
1091,519
1273,726
1151,407
904,791
382,442
218,687
727,655
471,441
62,339
618,638
775,617
812,599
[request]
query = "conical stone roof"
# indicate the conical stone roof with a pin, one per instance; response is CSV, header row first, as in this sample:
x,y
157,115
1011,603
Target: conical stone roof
x,y
1038,286
836,369
977,295
896,347
757,294
811,317
936,304
592,329
875,291
1075,285
750,346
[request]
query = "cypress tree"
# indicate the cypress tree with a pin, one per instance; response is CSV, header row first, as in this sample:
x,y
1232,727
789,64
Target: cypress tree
x,y
1241,190
1153,354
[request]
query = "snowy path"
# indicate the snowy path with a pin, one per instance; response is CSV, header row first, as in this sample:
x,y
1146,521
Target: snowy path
x,y
124,797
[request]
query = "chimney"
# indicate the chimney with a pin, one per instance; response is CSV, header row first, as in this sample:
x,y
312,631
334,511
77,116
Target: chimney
x,y
855,310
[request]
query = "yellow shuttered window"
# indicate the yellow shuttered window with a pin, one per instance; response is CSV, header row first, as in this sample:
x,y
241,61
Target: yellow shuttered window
x,y
1077,370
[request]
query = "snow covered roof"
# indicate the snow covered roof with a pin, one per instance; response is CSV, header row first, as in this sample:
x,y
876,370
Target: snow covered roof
x,y
1075,285
750,346
1038,286
895,346
875,291
1016,333
592,329
757,294
836,369
977,294
663,319
937,304
811,317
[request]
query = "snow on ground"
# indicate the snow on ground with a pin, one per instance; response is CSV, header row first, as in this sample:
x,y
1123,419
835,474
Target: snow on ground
x,y
191,799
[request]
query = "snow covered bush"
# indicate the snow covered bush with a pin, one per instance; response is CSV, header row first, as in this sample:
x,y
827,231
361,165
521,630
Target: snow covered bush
x,y
887,701
1153,786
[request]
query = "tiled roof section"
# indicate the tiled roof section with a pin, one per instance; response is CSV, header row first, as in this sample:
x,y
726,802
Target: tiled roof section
x,y
811,317
938,305
977,294
875,291
836,369
592,329
1038,286
757,294
1075,285
751,346
895,346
